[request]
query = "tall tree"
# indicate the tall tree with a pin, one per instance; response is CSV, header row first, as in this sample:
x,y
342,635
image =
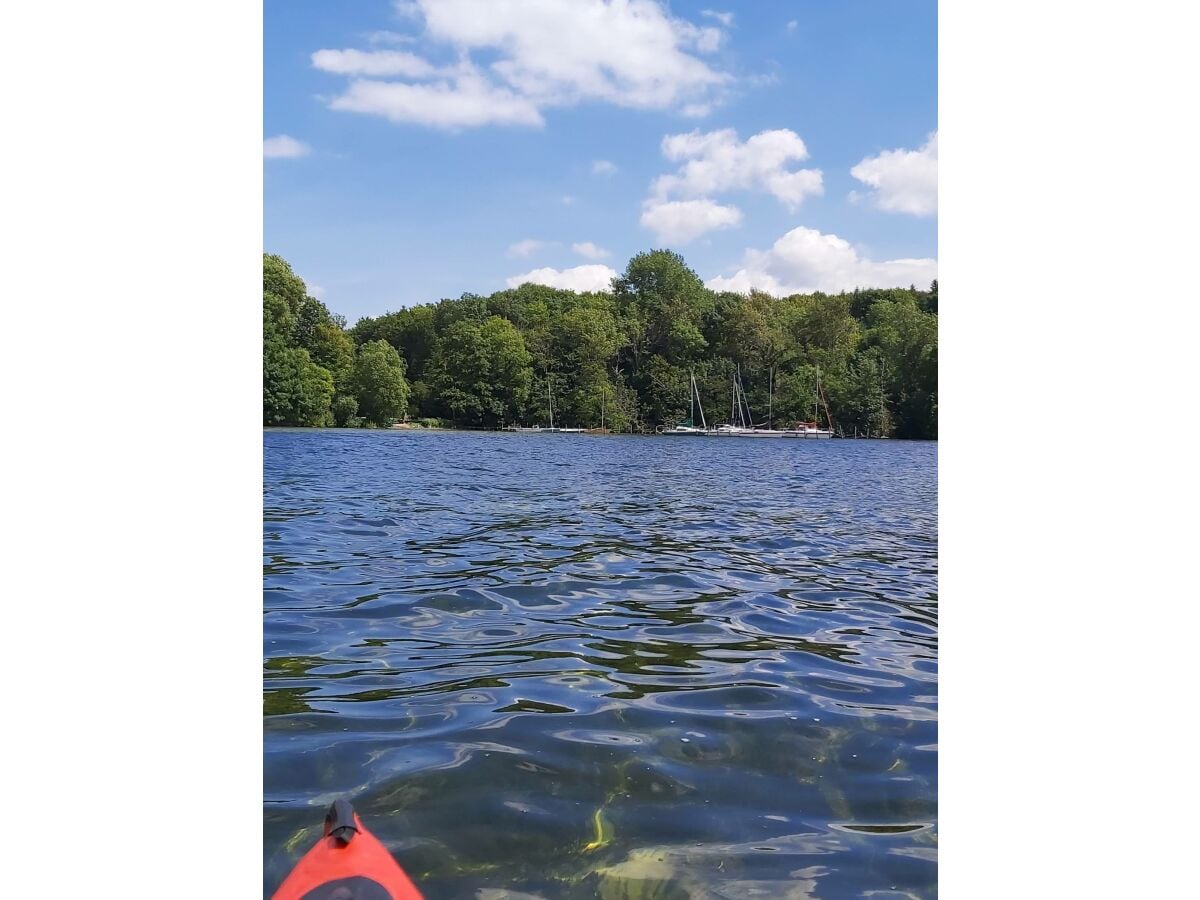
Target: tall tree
x,y
481,371
280,281
668,301
622,357
906,338
296,391
379,383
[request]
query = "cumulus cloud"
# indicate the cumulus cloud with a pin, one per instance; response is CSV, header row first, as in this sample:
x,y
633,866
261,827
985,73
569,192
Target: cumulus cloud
x,y
580,278
603,167
681,221
470,100
805,260
631,53
717,162
526,247
389,37
284,147
680,207
904,181
590,250
375,63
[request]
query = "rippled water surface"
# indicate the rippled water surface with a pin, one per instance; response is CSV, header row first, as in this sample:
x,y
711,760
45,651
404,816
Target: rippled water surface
x,y
618,667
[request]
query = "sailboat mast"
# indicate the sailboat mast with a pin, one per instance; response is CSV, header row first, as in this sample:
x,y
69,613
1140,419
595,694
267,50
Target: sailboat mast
x,y
737,396
770,396
696,388
550,399
748,421
732,404
733,401
737,393
691,397
816,391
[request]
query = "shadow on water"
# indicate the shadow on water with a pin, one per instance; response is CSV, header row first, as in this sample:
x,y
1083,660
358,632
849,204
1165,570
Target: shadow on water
x,y
568,666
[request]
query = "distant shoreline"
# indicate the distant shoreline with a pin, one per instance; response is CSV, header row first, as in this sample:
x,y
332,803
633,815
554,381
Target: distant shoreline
x,y
639,434
647,355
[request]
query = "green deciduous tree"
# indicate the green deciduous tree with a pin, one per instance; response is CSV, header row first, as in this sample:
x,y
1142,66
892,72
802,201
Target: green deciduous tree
x,y
481,372
668,301
280,281
621,357
379,384
344,410
906,338
296,391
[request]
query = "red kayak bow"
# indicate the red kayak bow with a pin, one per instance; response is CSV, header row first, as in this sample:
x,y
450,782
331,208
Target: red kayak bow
x,y
347,863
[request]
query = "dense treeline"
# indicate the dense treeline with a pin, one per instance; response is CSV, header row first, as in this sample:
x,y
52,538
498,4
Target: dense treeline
x,y
863,362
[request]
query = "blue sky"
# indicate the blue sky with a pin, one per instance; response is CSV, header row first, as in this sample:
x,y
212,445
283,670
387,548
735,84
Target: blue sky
x,y
422,149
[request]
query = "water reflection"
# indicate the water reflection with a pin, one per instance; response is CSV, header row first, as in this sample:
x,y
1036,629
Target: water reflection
x,y
576,667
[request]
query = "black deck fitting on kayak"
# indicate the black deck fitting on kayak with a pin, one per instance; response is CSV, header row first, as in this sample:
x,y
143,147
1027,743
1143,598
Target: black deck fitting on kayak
x,y
340,821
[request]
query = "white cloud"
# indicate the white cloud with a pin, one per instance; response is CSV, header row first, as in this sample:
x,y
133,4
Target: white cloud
x,y
681,221
590,250
526,247
805,260
904,181
708,40
680,207
283,147
389,37
567,200
763,79
580,278
725,18
603,167
717,162
793,25
631,53
375,63
468,101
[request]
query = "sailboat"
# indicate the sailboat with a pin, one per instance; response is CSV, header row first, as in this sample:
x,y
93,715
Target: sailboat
x,y
550,397
811,429
689,427
538,429
741,422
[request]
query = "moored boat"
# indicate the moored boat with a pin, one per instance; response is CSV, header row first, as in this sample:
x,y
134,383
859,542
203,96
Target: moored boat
x,y
807,430
538,429
688,427
742,425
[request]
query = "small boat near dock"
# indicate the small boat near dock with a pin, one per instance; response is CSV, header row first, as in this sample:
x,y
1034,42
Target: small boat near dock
x,y
688,428
538,429
741,420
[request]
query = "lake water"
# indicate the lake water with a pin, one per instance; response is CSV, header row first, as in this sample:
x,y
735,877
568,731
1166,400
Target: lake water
x,y
618,667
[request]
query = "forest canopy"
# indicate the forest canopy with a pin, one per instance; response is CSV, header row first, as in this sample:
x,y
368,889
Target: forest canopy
x,y
862,362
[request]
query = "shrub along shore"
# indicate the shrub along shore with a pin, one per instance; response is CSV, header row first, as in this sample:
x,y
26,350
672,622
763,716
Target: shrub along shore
x,y
861,362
